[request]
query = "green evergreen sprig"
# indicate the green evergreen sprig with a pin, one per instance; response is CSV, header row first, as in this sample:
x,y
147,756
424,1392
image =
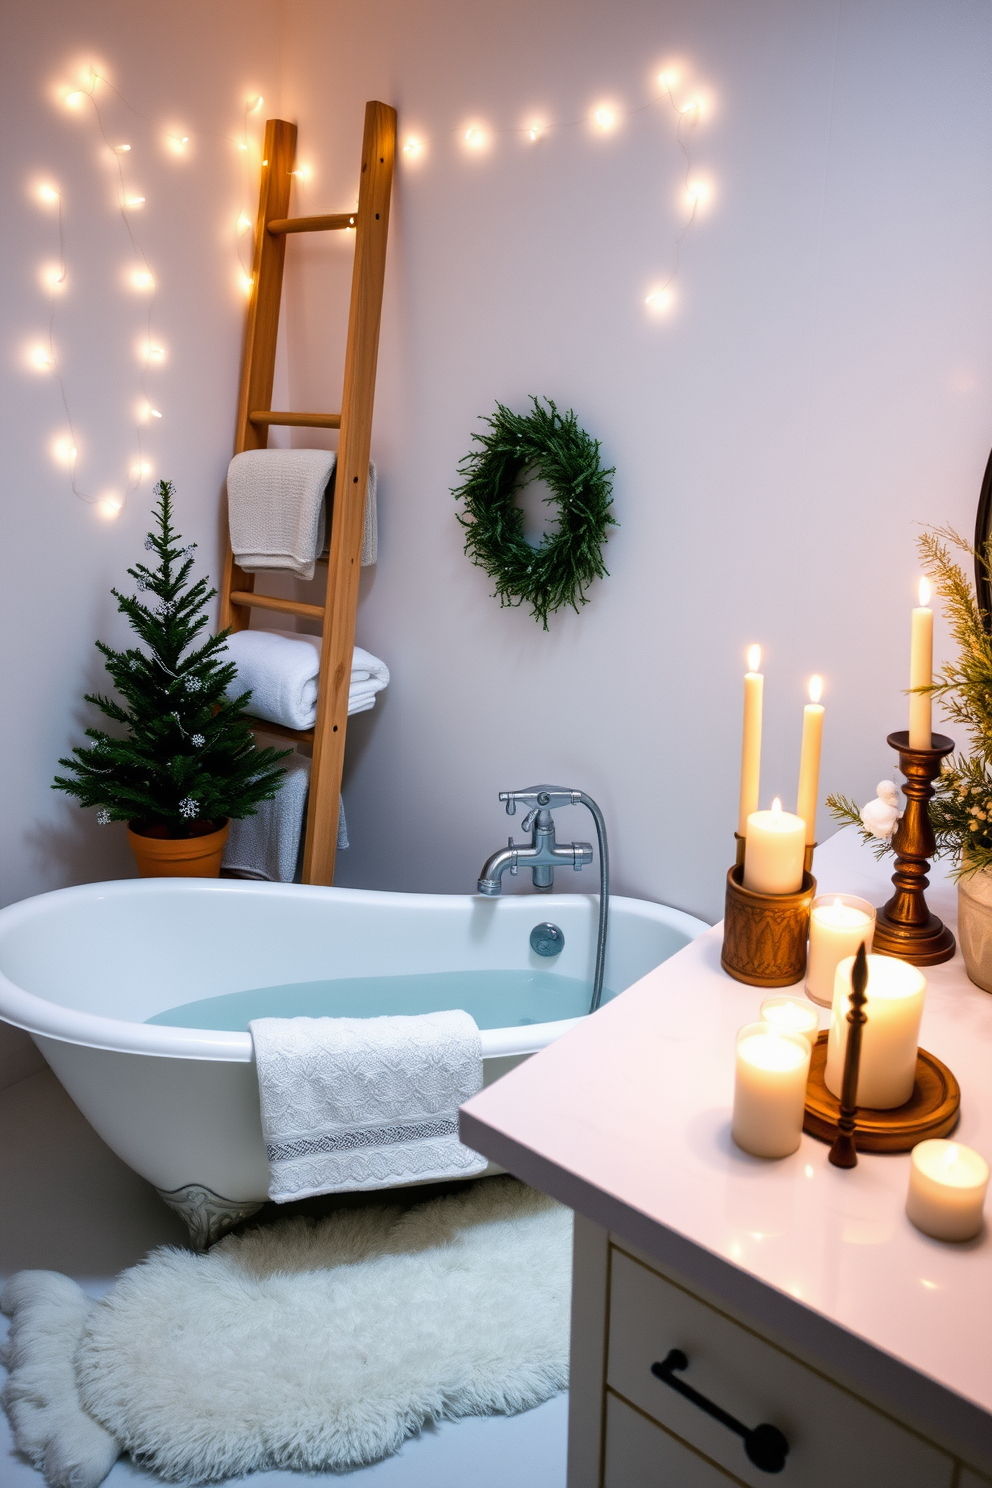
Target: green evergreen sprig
x,y
187,758
550,446
961,809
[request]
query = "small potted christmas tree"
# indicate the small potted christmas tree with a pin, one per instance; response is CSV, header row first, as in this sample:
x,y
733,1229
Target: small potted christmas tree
x,y
187,761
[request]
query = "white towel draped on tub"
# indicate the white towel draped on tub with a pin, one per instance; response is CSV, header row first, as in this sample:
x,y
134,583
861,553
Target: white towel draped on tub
x,y
267,845
280,668
362,1103
277,509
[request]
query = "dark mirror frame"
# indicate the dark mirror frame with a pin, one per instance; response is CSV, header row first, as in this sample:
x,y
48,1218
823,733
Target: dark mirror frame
x,y
983,532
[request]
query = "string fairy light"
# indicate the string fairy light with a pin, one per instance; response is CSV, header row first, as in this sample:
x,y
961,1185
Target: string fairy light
x,y
41,356
604,118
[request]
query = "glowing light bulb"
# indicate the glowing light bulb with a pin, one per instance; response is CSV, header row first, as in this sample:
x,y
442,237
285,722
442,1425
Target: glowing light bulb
x,y
242,145
121,149
815,689
534,132
412,148
659,300
48,194
697,192
604,118
40,358
109,506
64,451
254,104
134,201
142,280
177,143
154,353
247,283
924,592
668,79
53,277
140,469
154,413
243,223
303,171
475,137
753,658
688,108
74,100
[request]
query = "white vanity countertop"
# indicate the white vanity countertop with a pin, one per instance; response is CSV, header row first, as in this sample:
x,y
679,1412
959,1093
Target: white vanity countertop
x,y
627,1120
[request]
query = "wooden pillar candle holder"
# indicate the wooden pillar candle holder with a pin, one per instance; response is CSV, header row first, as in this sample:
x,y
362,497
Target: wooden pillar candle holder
x,y
764,935
905,927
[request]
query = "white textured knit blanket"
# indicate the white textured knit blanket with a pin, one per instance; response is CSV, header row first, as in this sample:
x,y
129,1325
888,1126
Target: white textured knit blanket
x,y
277,509
361,1103
280,668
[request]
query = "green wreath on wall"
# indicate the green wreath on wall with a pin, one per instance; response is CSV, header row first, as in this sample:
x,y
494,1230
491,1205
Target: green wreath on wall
x,y
549,446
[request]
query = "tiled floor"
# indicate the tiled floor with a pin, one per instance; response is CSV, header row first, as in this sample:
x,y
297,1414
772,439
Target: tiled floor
x,y
68,1204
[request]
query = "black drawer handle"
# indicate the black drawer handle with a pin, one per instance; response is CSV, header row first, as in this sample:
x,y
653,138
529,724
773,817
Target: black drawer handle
x,y
765,1445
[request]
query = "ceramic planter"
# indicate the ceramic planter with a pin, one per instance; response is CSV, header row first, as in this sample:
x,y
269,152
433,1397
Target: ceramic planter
x,y
975,926
179,857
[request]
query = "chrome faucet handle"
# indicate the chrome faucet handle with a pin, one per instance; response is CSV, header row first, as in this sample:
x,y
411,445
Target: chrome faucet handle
x,y
539,797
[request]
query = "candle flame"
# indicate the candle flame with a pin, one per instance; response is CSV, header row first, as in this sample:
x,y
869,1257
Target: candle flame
x,y
753,658
815,689
950,1156
924,591
776,807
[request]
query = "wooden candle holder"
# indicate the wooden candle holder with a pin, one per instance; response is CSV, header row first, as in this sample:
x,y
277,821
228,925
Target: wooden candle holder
x,y
932,1110
765,935
905,927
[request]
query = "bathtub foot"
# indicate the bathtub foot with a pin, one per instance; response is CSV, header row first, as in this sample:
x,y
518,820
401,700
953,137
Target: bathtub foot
x,y
207,1215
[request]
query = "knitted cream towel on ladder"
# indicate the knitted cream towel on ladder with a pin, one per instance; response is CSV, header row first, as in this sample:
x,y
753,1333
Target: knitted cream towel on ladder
x,y
361,1103
277,509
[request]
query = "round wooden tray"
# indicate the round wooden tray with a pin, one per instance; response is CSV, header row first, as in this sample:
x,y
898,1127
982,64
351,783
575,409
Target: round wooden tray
x,y
932,1110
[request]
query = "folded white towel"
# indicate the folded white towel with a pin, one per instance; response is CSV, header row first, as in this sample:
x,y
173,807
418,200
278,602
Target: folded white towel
x,y
277,509
361,1103
267,845
281,666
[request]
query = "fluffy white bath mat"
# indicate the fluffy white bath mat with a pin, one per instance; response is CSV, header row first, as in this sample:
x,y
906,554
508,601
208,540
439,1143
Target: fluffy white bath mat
x,y
305,1344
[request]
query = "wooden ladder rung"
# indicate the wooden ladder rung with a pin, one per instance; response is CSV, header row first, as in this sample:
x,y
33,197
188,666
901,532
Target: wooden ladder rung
x,y
279,730
269,602
296,420
330,222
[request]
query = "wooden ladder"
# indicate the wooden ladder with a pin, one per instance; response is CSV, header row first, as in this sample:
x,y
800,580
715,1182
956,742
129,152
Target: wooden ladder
x,y
337,613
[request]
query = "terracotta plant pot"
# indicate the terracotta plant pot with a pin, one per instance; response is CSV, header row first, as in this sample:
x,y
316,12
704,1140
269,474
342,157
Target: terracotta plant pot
x,y
197,856
975,926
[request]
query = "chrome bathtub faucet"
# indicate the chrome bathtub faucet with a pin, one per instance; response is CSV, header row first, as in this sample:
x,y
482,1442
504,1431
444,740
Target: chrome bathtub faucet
x,y
543,854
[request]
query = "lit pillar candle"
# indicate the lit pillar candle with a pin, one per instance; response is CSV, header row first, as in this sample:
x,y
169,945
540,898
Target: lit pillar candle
x,y
889,1039
947,1184
774,850
921,672
769,1090
838,923
792,1015
809,760
754,684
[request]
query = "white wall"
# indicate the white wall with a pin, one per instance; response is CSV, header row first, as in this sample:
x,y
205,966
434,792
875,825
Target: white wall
x,y
822,388
186,66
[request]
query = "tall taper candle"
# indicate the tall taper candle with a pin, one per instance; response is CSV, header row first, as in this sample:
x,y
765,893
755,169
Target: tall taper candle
x,y
921,672
809,760
754,684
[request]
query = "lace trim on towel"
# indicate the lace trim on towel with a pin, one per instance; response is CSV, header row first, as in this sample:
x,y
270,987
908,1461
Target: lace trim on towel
x,y
351,1141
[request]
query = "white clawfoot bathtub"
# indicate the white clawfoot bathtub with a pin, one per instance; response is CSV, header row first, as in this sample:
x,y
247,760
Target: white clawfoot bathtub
x,y
82,969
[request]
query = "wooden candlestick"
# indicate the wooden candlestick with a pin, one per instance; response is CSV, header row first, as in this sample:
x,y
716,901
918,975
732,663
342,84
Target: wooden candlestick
x,y
843,1153
905,927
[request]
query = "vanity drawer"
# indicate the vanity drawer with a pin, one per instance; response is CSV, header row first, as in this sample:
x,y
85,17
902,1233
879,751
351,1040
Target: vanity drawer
x,y
833,1437
639,1455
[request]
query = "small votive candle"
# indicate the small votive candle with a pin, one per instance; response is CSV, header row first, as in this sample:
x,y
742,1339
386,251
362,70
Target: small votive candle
x,y
838,923
770,1090
947,1184
889,1039
792,1015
